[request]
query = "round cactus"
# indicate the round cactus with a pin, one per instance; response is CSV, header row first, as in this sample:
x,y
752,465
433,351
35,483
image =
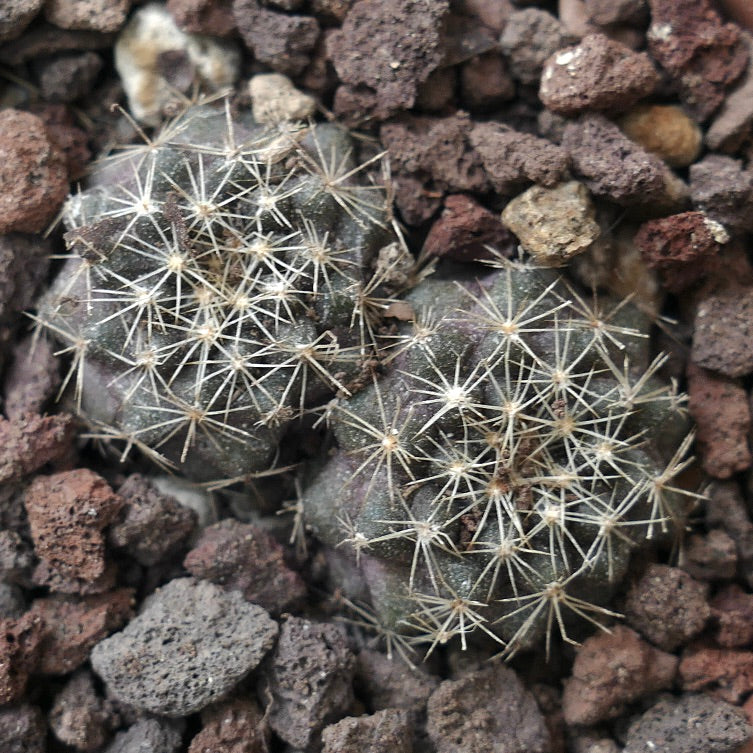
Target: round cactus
x,y
495,481
221,280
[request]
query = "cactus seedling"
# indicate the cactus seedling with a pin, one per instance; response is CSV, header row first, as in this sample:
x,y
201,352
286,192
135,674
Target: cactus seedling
x,y
221,280
496,480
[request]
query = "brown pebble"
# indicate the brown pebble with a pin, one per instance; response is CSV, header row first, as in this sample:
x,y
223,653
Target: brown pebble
x,y
711,556
725,673
16,15
723,188
485,82
79,716
732,609
212,17
87,15
19,651
233,726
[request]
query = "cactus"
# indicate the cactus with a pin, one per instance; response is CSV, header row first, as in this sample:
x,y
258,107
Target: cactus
x,y
496,480
220,280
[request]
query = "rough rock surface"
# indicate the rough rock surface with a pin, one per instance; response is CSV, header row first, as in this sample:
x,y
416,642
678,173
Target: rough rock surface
x,y
612,670
242,557
387,731
693,723
486,711
149,736
233,726
710,556
276,99
553,224
66,78
530,36
281,41
723,330
485,82
667,606
702,55
726,509
388,47
723,188
16,15
68,513
33,178
90,15
191,644
19,652
513,159
682,247
732,611
22,730
79,717
212,17
597,74
151,525
310,680
719,406
725,673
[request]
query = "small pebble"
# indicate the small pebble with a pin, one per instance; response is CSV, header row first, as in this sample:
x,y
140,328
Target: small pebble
x,y
711,556
485,82
723,188
387,731
237,725
22,729
66,78
732,610
211,17
275,99
87,15
553,224
725,673
79,716
15,16
150,736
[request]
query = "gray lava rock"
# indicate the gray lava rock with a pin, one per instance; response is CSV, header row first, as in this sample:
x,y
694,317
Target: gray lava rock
x,y
689,724
147,736
387,731
189,646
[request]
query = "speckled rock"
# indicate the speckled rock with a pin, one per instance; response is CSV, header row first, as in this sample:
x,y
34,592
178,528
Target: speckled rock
x,y
281,41
154,57
702,55
553,224
212,17
190,645
387,731
612,670
513,160
723,330
732,610
31,441
683,248
68,513
22,730
65,78
148,736
723,188
530,36
388,47
727,510
79,716
667,606
19,653
597,74
275,98
16,15
664,130
90,15
33,178
310,680
725,673
486,711
485,82
608,12
614,167
237,725
692,723
710,556
31,378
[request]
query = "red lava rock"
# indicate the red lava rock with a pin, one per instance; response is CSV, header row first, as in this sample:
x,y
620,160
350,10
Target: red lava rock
x,y
608,12
701,54
68,513
712,556
16,15
465,229
722,332
437,93
530,36
23,730
31,379
485,82
46,574
30,442
726,509
388,47
155,735
513,160
387,731
613,166
726,673
212,17
723,188
71,140
732,126
597,74
719,406
33,179
682,247
19,651
486,710
309,679
151,525
732,609
283,42
74,626
67,77
91,15
612,670
79,717
667,606
245,558
234,726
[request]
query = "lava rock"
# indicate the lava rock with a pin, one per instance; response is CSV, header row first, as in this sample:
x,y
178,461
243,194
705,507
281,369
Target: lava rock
x,y
19,653
609,12
710,556
211,17
15,16
66,78
485,82
234,726
387,731
597,74
22,730
723,188
148,736
190,645
276,99
732,610
724,672
726,509
89,15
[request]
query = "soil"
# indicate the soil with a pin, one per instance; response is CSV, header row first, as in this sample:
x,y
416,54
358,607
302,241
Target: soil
x,y
213,611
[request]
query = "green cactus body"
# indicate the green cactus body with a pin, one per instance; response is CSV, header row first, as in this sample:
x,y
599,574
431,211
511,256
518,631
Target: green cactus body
x,y
496,479
221,280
